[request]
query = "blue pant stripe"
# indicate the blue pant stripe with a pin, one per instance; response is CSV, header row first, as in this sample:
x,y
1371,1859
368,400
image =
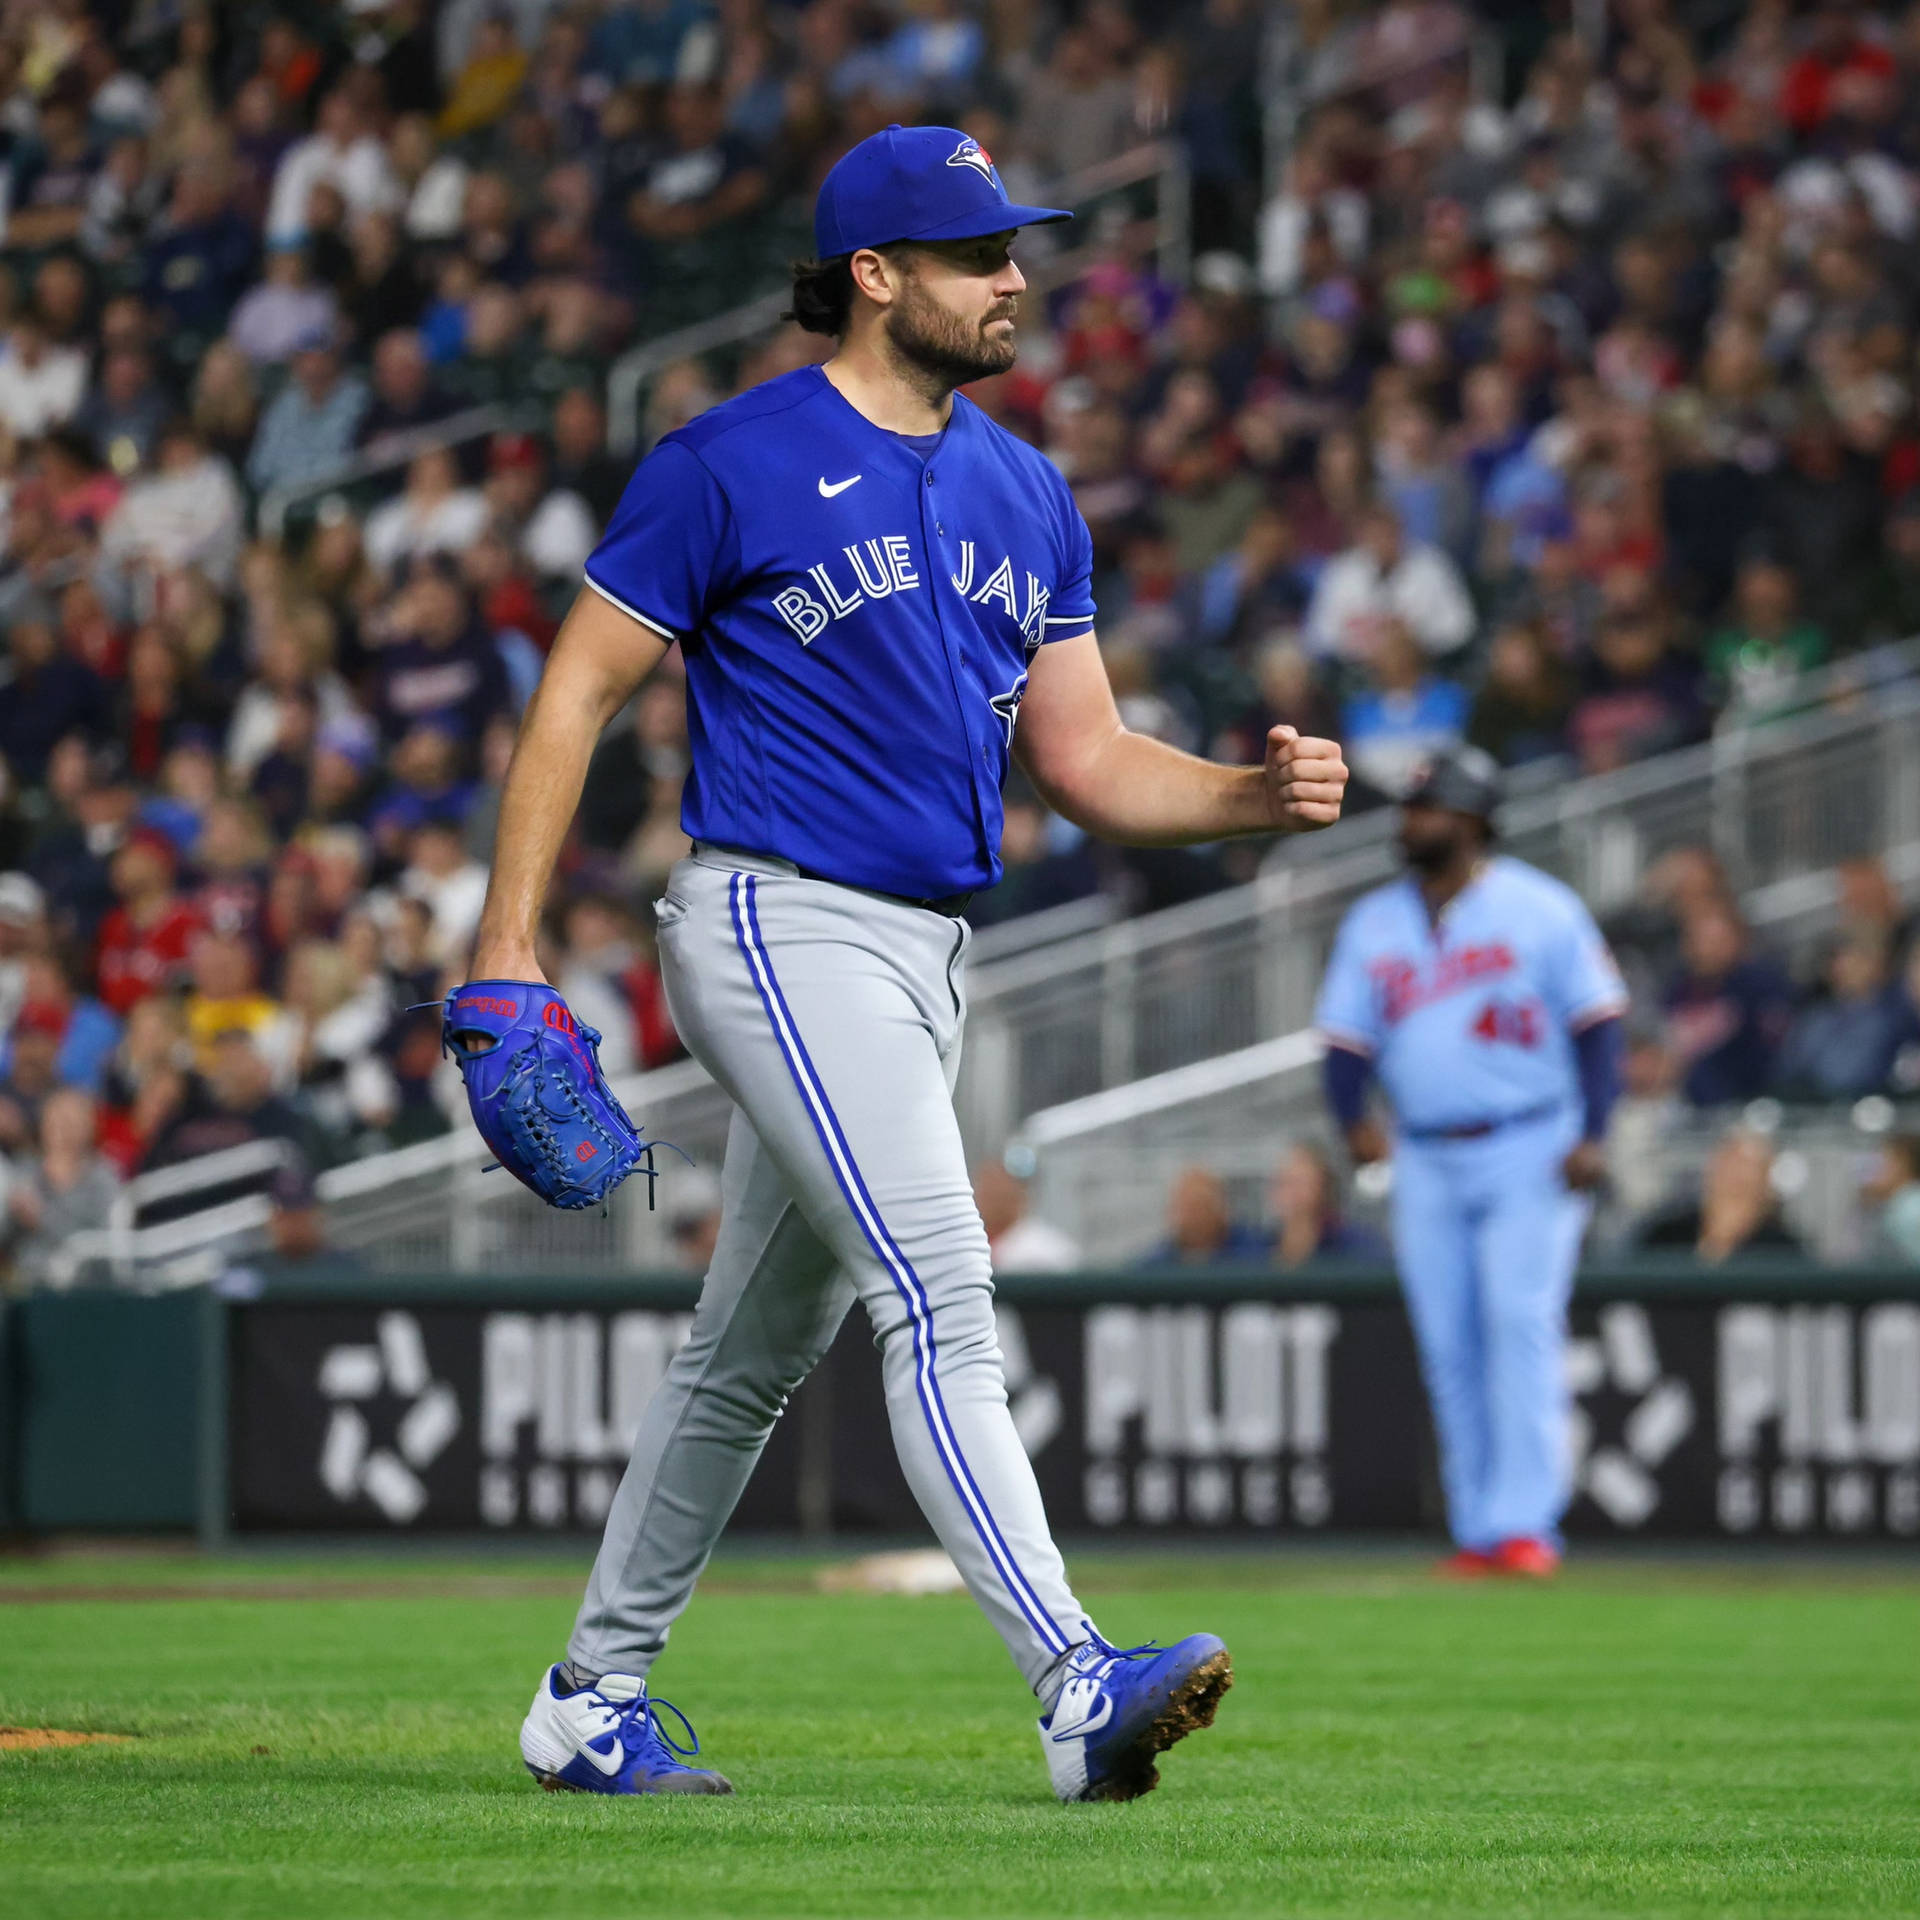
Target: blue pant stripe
x,y
826,1125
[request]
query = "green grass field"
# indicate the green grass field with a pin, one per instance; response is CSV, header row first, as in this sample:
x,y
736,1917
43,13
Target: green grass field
x,y
332,1737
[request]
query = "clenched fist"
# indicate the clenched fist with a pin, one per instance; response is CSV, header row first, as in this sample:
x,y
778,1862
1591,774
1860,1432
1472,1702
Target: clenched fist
x,y
1306,780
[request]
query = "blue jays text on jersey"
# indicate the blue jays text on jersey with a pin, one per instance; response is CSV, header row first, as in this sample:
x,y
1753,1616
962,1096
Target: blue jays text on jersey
x,y
1468,1020
857,619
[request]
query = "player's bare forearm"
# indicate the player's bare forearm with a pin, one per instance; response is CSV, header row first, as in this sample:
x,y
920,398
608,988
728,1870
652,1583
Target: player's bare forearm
x,y
1137,790
598,659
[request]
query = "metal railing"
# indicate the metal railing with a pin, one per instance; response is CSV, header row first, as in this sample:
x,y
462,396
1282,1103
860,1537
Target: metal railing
x,y
1778,802
1162,164
125,1247
1116,1028
1108,1192
392,452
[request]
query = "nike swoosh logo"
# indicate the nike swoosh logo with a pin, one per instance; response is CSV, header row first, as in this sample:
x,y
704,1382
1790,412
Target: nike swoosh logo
x,y
839,486
607,1758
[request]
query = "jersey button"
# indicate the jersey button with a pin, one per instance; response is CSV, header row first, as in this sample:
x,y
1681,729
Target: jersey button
x,y
939,529
929,479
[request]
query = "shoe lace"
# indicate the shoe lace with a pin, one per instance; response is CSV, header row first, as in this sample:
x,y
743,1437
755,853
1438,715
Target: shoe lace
x,y
640,1726
1146,1650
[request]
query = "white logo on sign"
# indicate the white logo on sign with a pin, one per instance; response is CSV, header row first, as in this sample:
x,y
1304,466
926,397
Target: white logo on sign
x,y
837,487
351,1468
1620,1477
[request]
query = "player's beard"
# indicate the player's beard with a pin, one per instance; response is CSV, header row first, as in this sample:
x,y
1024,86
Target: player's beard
x,y
1433,853
940,344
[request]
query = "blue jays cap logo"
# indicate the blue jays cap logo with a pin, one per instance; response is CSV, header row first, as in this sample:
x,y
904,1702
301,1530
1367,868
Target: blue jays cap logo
x,y
970,153
909,183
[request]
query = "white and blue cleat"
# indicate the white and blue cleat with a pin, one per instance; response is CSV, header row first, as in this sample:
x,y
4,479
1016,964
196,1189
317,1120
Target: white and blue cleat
x,y
608,1738
1122,1707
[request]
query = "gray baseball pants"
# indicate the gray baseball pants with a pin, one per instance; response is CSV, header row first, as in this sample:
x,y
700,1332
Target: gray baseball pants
x,y
833,1018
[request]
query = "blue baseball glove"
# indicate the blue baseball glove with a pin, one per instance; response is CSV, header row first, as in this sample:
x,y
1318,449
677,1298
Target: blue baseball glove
x,y
537,1094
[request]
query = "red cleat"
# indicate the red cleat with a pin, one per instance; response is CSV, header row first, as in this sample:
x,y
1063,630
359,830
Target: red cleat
x,y
1530,1559
1468,1564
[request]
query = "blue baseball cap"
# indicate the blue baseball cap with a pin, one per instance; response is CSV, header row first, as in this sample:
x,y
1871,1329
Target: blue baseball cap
x,y
915,183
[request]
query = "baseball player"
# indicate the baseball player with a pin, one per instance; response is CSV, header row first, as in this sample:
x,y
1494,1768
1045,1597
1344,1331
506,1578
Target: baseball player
x,y
878,595
1480,992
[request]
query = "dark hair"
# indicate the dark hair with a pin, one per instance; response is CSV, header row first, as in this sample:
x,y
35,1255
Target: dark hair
x,y
822,295
823,291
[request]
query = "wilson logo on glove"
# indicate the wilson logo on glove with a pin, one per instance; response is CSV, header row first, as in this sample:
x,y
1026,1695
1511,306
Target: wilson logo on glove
x,y
537,1094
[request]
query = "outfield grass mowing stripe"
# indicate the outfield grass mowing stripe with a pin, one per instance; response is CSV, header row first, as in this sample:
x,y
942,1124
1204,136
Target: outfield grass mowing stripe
x,y
1636,1740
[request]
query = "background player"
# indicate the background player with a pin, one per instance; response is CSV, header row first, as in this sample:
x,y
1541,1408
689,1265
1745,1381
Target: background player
x,y
872,585
1480,992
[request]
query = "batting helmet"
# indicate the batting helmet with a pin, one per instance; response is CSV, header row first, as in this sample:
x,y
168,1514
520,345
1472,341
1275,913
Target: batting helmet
x,y
1463,781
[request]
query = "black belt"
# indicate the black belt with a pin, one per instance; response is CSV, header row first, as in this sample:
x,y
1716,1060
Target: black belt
x,y
1479,1129
949,905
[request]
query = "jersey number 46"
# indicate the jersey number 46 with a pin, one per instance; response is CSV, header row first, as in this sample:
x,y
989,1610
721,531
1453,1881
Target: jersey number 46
x,y
1513,1023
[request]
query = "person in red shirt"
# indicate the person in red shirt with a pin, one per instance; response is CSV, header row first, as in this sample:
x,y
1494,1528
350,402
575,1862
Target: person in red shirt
x,y
144,940
1829,77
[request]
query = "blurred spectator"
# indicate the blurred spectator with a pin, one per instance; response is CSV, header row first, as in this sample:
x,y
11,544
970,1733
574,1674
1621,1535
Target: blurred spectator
x,y
310,426
1727,1011
41,384
436,666
1201,1229
225,997
692,1202
47,697
344,153
1304,1198
453,887
145,1082
1402,715
189,513
1893,1187
1017,1240
23,934
1759,656
30,1077
85,1032
1844,1044
1520,713
285,310
145,940
435,514
1639,696
202,252
1639,1158
1738,1209
64,1188
404,393
228,1105
1383,574
296,1227
608,975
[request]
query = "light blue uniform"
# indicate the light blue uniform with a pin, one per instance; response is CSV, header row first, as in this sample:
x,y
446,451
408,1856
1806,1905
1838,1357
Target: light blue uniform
x,y
1469,1025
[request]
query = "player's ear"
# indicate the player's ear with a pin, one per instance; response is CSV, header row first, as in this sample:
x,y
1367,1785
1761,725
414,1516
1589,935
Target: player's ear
x,y
874,275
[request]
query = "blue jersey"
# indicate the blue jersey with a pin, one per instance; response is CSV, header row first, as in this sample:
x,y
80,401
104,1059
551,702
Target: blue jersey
x,y
1469,1021
857,617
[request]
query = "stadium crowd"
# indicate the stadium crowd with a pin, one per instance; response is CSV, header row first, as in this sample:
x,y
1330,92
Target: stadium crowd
x,y
1553,394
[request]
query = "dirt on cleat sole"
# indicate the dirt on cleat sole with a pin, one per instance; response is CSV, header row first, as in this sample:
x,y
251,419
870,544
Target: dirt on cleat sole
x,y
1189,1708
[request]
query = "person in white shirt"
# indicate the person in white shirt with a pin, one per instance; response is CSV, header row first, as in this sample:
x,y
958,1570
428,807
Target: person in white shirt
x,y
189,514
440,874
342,152
1017,1242
434,515
41,385
1385,575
